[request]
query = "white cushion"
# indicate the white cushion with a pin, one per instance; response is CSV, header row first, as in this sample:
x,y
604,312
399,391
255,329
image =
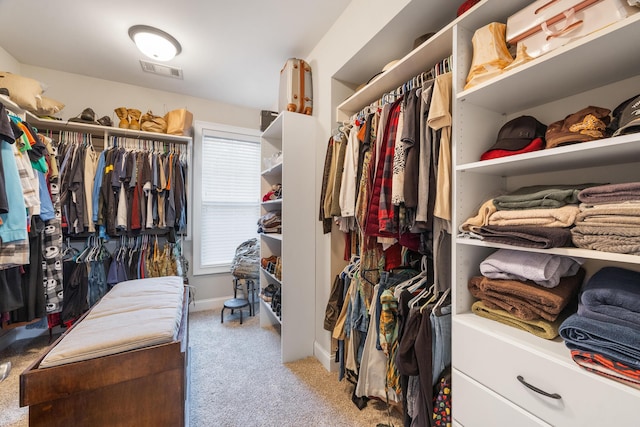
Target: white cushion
x,y
134,314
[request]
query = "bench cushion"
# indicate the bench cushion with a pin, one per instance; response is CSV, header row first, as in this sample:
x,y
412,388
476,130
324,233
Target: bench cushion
x,y
133,314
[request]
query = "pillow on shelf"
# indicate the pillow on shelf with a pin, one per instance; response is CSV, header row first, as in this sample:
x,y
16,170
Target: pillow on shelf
x,y
24,91
48,106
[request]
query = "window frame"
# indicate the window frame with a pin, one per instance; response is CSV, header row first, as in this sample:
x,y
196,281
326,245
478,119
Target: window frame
x,y
202,130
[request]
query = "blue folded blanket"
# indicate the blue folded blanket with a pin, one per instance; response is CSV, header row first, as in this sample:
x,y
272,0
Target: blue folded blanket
x,y
612,295
616,342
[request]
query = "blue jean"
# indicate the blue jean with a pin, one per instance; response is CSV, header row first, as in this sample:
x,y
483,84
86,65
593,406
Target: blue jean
x,y
441,345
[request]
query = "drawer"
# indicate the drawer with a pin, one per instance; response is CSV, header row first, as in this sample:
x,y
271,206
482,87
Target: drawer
x,y
476,405
495,355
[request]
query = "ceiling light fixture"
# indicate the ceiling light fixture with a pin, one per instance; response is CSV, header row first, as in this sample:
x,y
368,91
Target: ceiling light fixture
x,y
154,43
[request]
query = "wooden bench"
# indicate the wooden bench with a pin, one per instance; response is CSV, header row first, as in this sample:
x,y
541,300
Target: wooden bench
x,y
145,386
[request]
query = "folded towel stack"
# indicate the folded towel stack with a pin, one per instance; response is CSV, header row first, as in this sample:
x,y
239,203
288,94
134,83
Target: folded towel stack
x,y
609,218
537,216
532,292
604,335
526,300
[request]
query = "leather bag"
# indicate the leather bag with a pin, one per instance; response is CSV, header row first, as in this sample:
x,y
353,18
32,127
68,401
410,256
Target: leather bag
x,y
151,123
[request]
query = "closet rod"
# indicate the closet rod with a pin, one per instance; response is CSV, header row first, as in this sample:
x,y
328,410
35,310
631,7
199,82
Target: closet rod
x,y
441,67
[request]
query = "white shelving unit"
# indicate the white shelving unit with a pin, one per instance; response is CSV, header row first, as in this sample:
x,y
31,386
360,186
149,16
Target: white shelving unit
x,y
602,69
488,356
292,134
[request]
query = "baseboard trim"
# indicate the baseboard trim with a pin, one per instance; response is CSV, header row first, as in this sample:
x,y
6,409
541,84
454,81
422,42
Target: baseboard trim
x,y
22,333
207,304
324,357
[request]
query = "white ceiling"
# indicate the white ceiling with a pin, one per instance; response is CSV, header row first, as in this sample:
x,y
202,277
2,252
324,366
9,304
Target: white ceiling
x,y
232,50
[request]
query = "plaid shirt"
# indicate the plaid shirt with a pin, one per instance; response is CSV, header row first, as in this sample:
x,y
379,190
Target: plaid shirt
x,y
388,221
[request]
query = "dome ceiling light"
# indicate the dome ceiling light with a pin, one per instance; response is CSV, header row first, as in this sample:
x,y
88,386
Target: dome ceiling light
x,y
154,43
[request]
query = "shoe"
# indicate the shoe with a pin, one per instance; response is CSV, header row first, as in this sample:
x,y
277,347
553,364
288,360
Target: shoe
x,y
121,112
105,121
134,118
278,269
88,115
5,368
265,261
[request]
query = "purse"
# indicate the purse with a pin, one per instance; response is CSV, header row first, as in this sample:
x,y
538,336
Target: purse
x,y
151,123
179,122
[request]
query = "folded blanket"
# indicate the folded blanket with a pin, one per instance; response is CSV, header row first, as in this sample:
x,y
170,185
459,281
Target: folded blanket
x,y
526,300
482,218
610,193
621,240
610,215
526,236
601,365
612,295
564,216
615,342
543,269
541,328
540,196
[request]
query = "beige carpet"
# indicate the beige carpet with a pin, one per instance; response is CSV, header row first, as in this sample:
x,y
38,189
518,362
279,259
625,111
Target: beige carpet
x,y
237,380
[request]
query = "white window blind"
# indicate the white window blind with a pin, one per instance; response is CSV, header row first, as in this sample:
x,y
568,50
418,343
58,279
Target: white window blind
x,y
227,199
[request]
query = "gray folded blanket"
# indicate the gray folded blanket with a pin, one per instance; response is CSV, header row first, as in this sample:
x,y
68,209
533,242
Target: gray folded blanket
x,y
540,196
610,193
612,295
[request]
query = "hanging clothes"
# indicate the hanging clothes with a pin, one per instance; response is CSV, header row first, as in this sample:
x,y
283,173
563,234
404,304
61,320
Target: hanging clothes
x,y
388,168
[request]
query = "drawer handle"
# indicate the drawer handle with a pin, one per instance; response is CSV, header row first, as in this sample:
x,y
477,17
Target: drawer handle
x,y
537,390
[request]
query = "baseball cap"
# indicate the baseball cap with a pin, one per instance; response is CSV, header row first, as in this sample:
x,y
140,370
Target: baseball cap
x,y
588,124
626,117
520,135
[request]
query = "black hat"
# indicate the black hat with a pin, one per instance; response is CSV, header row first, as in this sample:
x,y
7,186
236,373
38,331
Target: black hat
x,y
626,117
518,133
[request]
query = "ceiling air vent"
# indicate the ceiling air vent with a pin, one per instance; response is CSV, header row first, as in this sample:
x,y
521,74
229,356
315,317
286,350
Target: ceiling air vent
x,y
161,70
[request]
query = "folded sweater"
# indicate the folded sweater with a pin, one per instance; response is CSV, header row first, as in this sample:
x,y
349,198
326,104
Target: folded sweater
x,y
543,269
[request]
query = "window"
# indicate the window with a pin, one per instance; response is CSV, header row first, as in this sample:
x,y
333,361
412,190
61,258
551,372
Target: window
x,y
226,202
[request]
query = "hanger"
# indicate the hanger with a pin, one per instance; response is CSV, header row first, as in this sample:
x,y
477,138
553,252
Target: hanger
x,y
82,255
68,251
432,297
441,300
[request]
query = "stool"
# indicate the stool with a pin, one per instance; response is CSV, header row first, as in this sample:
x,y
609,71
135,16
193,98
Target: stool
x,y
236,303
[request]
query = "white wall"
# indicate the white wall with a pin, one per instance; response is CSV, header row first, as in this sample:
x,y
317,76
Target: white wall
x,y
8,62
78,92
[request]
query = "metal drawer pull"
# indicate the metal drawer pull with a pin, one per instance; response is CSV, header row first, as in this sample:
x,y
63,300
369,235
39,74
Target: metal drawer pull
x,y
537,390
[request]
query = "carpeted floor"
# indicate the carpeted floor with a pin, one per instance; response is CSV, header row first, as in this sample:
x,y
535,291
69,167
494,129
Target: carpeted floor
x,y
237,380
